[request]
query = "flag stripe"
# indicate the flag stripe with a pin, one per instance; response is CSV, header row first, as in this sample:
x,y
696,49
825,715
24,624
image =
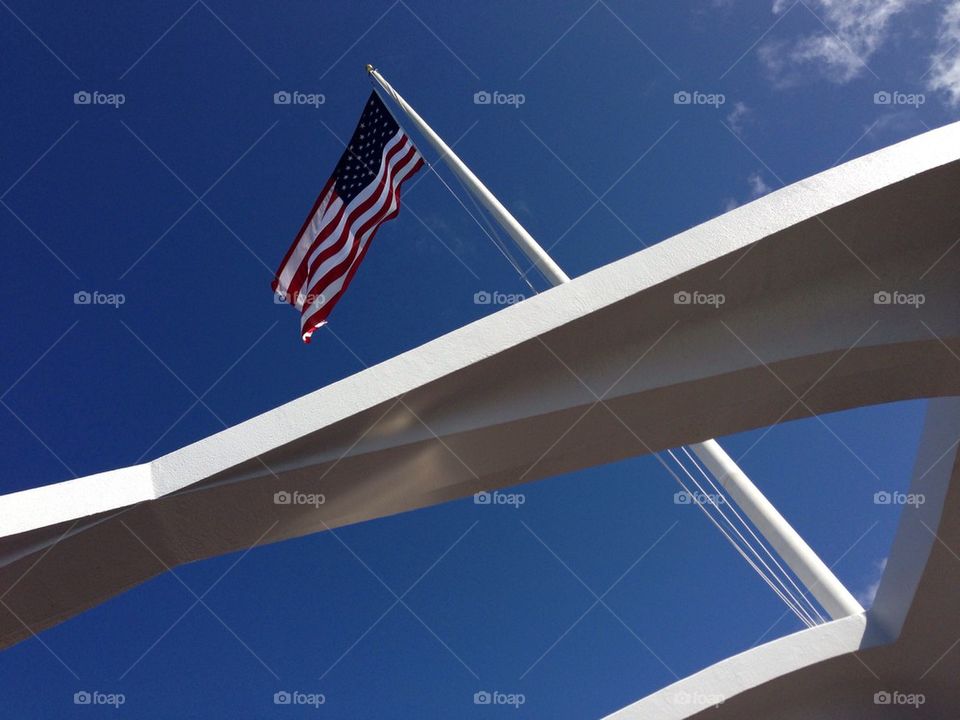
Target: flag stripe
x,y
337,275
331,256
319,291
333,223
356,212
338,286
301,245
362,193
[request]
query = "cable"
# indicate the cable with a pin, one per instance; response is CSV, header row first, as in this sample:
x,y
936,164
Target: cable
x,y
770,573
771,578
495,236
794,608
763,546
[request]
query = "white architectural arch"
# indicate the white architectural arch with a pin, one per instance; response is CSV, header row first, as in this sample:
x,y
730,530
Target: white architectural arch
x,y
493,403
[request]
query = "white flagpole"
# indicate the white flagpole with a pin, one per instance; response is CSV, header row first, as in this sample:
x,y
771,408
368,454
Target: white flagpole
x,y
799,556
530,247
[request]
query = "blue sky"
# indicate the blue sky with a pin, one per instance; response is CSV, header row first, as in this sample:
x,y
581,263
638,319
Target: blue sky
x,y
184,198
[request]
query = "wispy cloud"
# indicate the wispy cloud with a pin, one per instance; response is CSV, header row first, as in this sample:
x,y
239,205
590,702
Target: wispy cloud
x,y
852,31
944,73
869,593
738,115
758,187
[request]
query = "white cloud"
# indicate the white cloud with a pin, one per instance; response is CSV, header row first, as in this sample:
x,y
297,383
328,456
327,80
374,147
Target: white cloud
x,y
944,73
855,30
867,597
758,185
738,115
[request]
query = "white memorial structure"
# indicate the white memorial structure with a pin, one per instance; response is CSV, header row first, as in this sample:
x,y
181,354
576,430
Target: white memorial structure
x,y
475,409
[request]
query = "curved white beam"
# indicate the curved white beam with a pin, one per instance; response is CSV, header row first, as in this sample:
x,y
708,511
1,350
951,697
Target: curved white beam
x,y
491,404
814,673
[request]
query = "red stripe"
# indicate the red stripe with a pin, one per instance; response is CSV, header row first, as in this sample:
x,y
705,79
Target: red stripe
x,y
358,211
303,228
304,271
300,276
358,232
318,318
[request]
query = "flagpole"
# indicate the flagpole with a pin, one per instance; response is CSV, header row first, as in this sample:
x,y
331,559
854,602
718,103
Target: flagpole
x,y
799,556
530,247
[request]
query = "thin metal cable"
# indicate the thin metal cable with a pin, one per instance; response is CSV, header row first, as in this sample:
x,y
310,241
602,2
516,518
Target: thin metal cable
x,y
493,237
736,546
750,545
759,542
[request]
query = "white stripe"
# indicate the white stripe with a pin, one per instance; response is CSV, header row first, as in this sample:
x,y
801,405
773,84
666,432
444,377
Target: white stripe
x,y
320,220
305,293
314,249
334,287
320,299
370,212
305,241
364,196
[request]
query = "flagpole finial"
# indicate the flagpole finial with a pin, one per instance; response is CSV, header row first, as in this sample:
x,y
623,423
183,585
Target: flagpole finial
x,y
370,69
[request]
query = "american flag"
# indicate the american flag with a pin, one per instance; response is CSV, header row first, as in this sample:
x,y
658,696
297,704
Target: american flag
x,y
361,195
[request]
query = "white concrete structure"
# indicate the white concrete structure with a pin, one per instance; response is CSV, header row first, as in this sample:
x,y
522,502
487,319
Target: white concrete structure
x,y
796,553
800,333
